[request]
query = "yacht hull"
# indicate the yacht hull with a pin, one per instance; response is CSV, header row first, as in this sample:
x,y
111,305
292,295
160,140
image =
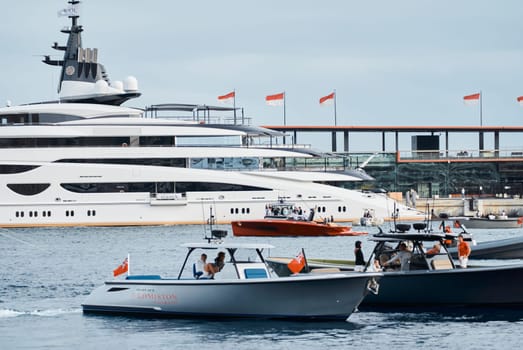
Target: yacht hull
x,y
328,297
486,223
62,194
498,286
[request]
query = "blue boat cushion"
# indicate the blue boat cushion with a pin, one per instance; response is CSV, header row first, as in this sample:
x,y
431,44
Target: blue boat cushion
x,y
196,274
255,273
144,277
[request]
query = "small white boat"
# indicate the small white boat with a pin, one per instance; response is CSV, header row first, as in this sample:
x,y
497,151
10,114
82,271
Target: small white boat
x,y
492,222
369,218
244,289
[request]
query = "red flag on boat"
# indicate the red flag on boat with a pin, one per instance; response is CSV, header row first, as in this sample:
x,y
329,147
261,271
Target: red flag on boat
x,y
297,264
227,97
520,100
520,221
327,99
276,99
122,268
472,99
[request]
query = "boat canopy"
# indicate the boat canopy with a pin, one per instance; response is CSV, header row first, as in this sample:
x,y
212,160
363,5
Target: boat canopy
x,y
393,237
227,245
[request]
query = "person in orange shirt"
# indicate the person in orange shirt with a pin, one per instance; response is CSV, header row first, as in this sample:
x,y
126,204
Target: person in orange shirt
x,y
463,251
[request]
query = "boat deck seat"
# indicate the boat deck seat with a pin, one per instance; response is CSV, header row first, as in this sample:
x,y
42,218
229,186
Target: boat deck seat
x,y
252,270
441,264
255,273
195,273
326,270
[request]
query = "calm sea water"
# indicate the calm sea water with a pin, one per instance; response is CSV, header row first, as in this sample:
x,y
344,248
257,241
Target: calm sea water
x,y
46,273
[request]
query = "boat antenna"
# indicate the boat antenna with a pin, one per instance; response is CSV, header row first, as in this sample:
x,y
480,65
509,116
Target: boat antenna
x,y
216,235
83,78
394,216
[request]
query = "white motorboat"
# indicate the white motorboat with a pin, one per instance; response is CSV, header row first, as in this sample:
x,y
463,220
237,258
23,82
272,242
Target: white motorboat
x,y
87,161
245,288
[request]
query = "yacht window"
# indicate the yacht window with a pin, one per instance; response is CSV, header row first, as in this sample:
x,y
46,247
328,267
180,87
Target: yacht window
x,y
110,187
214,187
16,169
199,140
168,162
225,163
62,142
152,187
156,141
28,189
39,118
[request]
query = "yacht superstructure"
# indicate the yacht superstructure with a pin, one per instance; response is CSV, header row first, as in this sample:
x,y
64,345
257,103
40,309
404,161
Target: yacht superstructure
x,y
86,160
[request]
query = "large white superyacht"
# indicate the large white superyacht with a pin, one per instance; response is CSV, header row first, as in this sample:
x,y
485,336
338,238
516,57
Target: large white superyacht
x,y
85,160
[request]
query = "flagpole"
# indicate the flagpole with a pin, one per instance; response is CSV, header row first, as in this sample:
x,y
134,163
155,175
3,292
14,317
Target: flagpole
x,y
480,108
305,259
335,118
234,104
284,117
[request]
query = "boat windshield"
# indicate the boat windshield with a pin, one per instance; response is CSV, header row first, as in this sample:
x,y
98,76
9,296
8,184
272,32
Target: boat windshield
x,y
236,258
427,254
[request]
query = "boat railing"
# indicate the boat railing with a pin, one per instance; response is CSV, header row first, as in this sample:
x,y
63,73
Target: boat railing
x,y
460,155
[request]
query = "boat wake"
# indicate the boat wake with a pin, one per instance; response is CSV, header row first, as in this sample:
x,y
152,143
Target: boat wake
x,y
9,313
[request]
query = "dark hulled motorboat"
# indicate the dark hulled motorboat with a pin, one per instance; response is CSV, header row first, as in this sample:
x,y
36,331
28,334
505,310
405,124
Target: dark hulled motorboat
x,y
430,281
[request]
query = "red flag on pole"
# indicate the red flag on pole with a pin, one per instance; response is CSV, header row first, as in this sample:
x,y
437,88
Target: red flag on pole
x,y
275,100
227,97
122,268
520,100
297,264
327,99
472,99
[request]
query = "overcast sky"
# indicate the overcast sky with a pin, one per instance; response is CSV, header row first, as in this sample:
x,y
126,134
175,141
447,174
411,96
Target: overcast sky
x,y
403,62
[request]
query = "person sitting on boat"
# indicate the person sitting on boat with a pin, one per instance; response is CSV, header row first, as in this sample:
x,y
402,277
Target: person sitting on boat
x,y
359,264
436,248
446,228
403,257
212,268
199,266
376,267
463,251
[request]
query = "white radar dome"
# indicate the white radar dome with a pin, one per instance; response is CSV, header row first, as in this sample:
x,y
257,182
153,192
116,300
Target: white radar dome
x,y
118,85
101,86
130,84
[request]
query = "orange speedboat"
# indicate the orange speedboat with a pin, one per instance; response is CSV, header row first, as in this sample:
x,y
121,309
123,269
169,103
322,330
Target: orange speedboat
x,y
282,219
290,227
